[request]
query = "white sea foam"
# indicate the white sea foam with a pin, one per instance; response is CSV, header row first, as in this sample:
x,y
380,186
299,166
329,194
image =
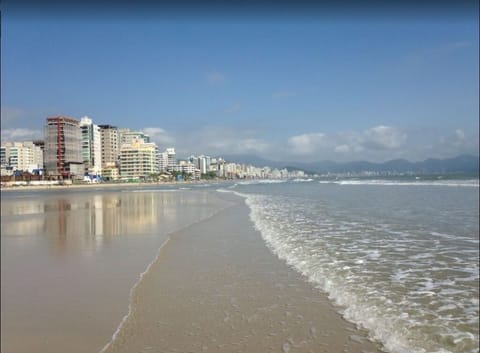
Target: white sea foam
x,y
383,182
388,279
301,180
153,190
262,181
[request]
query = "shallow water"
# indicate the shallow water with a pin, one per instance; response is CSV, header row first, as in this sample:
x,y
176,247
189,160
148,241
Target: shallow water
x,y
399,257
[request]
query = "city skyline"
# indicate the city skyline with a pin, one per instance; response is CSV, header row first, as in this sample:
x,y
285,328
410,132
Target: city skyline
x,y
282,88
82,150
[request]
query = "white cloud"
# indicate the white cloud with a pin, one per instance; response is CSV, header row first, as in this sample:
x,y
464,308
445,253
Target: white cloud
x,y
253,144
460,137
305,143
20,134
342,149
371,142
383,137
215,140
378,143
159,136
458,140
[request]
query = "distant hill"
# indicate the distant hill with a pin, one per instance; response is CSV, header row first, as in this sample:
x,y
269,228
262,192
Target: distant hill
x,y
460,164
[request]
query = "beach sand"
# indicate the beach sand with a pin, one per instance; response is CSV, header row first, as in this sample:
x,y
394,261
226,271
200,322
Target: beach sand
x,y
9,187
215,287
69,259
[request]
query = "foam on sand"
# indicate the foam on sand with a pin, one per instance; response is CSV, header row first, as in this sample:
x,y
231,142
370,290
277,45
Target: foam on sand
x,y
215,287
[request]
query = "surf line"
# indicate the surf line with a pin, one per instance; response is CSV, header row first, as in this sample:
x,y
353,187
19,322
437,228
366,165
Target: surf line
x,y
157,258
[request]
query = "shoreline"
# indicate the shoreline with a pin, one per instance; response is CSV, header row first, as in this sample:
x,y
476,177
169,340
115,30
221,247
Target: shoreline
x,y
224,291
211,285
105,185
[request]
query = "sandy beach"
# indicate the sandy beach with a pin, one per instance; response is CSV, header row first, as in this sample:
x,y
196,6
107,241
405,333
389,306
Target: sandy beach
x,y
98,186
70,261
215,287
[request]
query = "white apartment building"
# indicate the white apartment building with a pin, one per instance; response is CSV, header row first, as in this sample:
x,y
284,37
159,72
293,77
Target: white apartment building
x,y
171,158
138,159
204,164
22,156
230,170
219,166
213,166
91,148
167,161
255,172
162,160
186,167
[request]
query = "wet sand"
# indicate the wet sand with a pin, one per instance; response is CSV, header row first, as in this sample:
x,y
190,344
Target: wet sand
x,y
215,287
69,260
99,186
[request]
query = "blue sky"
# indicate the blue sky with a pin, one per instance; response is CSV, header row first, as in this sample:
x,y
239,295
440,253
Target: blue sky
x,y
285,88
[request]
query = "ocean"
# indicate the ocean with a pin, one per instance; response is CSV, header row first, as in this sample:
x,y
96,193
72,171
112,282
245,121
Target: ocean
x,y
398,257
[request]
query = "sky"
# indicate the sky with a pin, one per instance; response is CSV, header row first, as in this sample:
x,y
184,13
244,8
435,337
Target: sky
x,y
310,86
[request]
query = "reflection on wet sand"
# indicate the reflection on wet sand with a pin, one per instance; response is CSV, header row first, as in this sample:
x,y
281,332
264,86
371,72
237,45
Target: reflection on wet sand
x,y
69,261
92,217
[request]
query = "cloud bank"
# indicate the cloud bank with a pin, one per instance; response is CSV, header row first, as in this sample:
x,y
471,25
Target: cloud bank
x,y
20,134
376,144
159,136
375,140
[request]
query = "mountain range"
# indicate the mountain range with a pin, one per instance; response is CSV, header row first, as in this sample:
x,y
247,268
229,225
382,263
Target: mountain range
x,y
467,164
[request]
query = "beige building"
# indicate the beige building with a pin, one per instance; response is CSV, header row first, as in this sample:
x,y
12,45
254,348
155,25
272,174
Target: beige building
x,y
109,142
111,173
138,159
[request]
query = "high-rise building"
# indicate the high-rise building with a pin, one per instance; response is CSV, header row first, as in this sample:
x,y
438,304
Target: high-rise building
x,y
110,146
3,156
138,159
62,146
162,161
186,167
171,158
41,150
91,146
167,161
204,164
231,170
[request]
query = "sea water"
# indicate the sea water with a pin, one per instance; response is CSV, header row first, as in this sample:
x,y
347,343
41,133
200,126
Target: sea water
x,y
399,257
